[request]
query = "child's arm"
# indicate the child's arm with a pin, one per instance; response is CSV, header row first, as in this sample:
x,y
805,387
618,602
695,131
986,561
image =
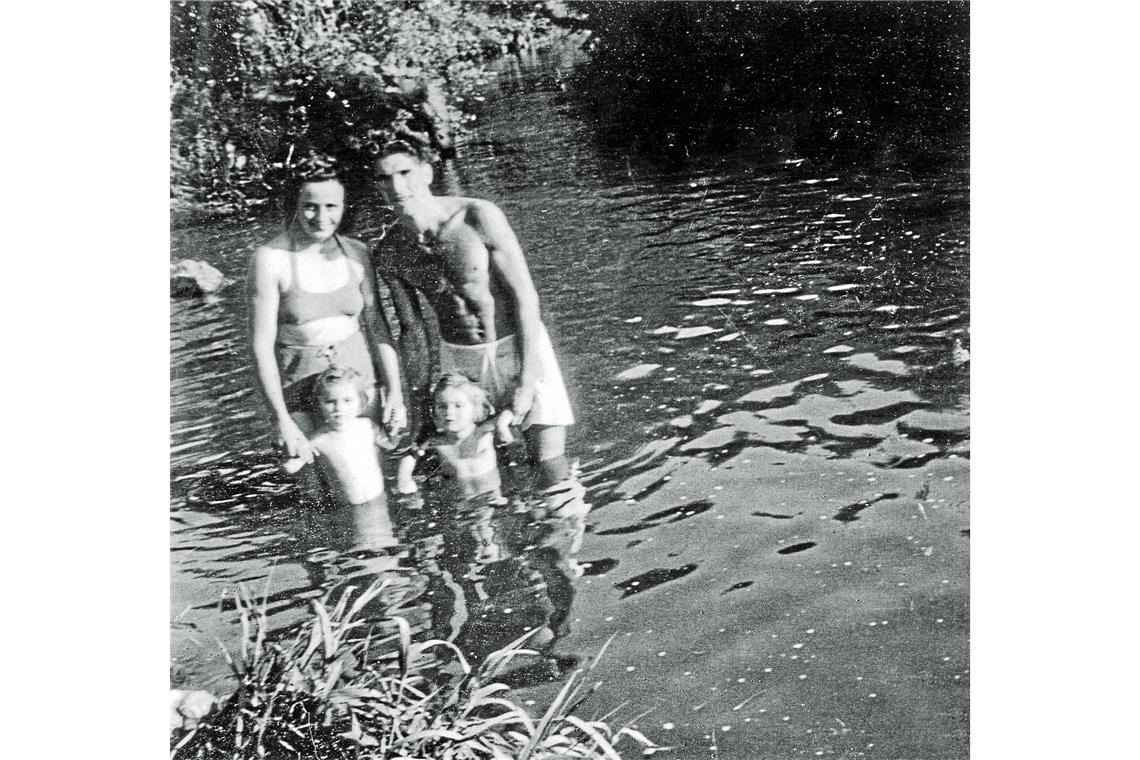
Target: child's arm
x,y
429,444
293,465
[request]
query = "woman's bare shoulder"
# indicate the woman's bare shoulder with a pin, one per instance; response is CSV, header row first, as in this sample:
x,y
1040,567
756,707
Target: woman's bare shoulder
x,y
276,249
355,250
271,258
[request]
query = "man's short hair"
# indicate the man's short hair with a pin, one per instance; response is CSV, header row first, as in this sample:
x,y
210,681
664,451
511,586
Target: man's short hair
x,y
395,147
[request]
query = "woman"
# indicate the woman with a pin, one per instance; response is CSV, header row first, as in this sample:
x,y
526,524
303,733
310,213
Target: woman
x,y
312,304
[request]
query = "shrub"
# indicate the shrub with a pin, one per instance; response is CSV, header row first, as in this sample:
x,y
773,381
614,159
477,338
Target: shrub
x,y
347,685
252,79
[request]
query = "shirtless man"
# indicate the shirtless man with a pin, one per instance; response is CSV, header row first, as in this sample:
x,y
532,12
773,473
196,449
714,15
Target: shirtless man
x,y
464,257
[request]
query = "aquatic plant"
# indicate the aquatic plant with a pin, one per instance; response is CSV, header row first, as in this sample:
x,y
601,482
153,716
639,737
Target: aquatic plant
x,y
351,683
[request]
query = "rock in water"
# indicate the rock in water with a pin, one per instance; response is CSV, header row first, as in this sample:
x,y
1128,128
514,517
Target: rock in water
x,y
189,277
959,354
188,708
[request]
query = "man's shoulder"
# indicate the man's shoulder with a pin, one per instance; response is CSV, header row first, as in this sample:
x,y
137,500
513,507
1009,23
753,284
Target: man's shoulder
x,y
481,211
473,211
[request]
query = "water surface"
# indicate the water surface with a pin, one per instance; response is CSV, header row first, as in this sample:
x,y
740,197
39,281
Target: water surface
x,y
768,358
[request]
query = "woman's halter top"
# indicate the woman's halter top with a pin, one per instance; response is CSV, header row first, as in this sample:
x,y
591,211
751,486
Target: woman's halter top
x,y
298,305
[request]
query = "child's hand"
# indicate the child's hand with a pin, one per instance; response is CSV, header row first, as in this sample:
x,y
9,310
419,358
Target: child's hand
x,y
293,465
383,439
503,426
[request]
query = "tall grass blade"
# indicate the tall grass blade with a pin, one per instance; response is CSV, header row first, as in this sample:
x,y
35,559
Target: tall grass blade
x,y
601,741
405,639
329,639
366,596
551,713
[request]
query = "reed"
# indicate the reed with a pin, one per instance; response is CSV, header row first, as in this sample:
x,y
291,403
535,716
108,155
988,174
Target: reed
x,y
346,684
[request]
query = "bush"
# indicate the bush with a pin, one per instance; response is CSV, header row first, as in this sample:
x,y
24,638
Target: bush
x,y
349,686
253,81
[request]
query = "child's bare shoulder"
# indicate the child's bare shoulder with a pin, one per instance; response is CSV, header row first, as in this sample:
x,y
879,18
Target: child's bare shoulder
x,y
322,439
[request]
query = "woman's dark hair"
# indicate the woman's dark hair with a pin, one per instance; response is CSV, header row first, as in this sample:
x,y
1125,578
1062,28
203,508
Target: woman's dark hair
x,y
312,167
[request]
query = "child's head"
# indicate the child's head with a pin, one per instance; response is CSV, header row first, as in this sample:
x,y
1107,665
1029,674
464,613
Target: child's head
x,y
340,395
458,403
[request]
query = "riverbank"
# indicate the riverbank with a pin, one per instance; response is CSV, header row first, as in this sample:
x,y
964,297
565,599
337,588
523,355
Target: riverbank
x,y
257,82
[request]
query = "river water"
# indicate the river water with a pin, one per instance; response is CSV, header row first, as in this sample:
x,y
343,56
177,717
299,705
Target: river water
x,y
768,359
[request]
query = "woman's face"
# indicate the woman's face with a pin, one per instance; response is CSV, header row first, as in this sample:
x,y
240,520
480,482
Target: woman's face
x,y
320,206
454,411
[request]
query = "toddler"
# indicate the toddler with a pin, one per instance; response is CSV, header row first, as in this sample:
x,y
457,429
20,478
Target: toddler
x,y
465,441
345,441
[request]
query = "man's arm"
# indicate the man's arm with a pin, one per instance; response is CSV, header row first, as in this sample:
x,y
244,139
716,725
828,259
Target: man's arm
x,y
510,265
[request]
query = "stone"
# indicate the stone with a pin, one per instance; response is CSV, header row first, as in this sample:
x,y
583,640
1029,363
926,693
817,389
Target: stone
x,y
189,707
190,278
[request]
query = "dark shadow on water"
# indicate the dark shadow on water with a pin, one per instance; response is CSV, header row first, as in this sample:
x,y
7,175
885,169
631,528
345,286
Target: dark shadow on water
x,y
850,513
599,566
737,587
653,578
671,515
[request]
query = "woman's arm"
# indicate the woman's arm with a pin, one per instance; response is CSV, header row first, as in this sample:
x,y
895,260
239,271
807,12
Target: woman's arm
x,y
264,297
384,357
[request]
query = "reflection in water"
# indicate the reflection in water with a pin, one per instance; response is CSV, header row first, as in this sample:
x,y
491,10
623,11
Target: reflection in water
x,y
478,572
497,569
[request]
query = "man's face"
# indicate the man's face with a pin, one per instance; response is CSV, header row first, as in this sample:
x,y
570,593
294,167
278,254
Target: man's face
x,y
402,179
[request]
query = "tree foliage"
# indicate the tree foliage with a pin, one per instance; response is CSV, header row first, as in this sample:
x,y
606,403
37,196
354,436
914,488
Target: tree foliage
x,y
254,81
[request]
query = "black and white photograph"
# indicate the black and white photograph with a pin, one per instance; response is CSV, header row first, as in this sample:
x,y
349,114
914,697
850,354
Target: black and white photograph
x,y
570,379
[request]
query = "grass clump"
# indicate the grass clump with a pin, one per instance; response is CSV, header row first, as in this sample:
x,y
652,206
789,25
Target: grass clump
x,y
347,685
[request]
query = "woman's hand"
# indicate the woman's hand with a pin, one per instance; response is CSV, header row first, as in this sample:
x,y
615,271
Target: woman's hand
x,y
394,415
296,445
522,401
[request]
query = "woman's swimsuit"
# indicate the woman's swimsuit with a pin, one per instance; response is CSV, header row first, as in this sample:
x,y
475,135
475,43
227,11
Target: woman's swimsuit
x,y
298,305
300,364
